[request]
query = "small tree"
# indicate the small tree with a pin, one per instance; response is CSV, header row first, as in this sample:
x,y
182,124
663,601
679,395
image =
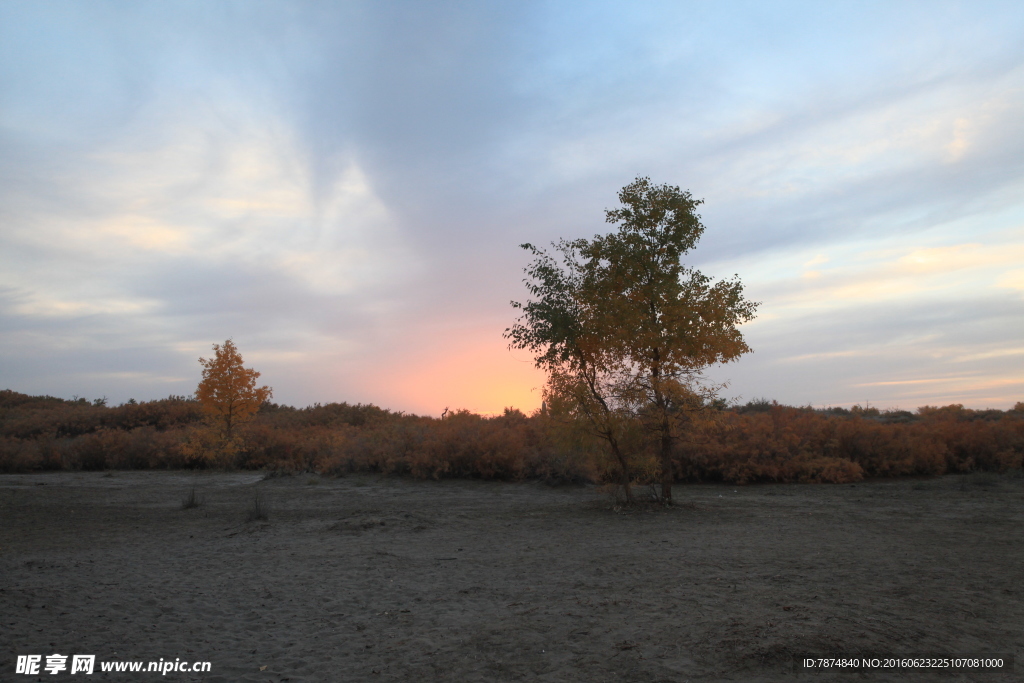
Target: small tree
x,y
228,391
625,328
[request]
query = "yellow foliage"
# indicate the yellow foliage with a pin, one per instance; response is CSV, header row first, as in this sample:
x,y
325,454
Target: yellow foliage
x,y
228,391
209,447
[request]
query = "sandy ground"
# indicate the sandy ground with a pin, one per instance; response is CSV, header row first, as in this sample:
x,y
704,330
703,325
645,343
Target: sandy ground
x,y
368,579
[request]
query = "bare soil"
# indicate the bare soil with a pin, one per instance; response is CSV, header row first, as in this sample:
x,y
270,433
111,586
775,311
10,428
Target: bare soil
x,y
370,579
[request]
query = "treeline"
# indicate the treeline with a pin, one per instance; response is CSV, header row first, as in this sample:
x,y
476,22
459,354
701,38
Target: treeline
x,y
758,442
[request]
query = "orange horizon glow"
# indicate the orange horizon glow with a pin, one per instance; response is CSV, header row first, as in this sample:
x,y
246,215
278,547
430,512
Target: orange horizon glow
x,y
480,375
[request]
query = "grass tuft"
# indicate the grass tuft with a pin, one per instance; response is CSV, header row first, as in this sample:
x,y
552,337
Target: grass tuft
x,y
257,509
191,500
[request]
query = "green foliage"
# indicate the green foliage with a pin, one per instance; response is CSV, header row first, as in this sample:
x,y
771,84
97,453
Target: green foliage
x,y
624,329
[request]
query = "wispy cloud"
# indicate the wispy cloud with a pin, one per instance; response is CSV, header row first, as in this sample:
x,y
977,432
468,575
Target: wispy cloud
x,y
341,188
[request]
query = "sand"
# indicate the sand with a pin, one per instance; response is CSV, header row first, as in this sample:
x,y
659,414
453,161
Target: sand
x,y
369,579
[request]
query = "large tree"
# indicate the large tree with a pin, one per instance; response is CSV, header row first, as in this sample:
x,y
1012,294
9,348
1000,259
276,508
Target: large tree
x,y
228,390
624,328
582,378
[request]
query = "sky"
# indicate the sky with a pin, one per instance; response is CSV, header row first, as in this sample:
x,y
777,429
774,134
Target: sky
x,y
341,188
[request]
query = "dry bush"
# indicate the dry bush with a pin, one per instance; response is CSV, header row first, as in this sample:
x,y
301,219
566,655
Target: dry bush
x,y
191,500
150,448
762,441
206,445
778,443
20,455
96,450
258,511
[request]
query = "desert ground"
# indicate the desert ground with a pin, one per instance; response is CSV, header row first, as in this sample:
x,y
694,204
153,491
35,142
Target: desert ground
x,y
364,578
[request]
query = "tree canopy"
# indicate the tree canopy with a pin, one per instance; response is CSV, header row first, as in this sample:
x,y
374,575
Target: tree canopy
x,y
228,391
625,329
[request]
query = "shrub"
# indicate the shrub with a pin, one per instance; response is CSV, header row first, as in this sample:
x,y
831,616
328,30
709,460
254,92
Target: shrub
x,y
761,441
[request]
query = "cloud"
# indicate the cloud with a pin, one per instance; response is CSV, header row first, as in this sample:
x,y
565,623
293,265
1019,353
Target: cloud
x,y
1012,279
341,188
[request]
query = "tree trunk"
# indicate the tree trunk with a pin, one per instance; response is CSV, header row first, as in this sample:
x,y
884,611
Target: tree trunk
x,y
667,466
626,478
661,402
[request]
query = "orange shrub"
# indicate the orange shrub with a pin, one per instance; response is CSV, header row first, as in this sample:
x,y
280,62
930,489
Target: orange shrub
x,y
763,441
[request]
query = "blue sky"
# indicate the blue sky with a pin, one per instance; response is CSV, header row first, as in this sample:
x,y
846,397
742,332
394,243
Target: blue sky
x,y
341,188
